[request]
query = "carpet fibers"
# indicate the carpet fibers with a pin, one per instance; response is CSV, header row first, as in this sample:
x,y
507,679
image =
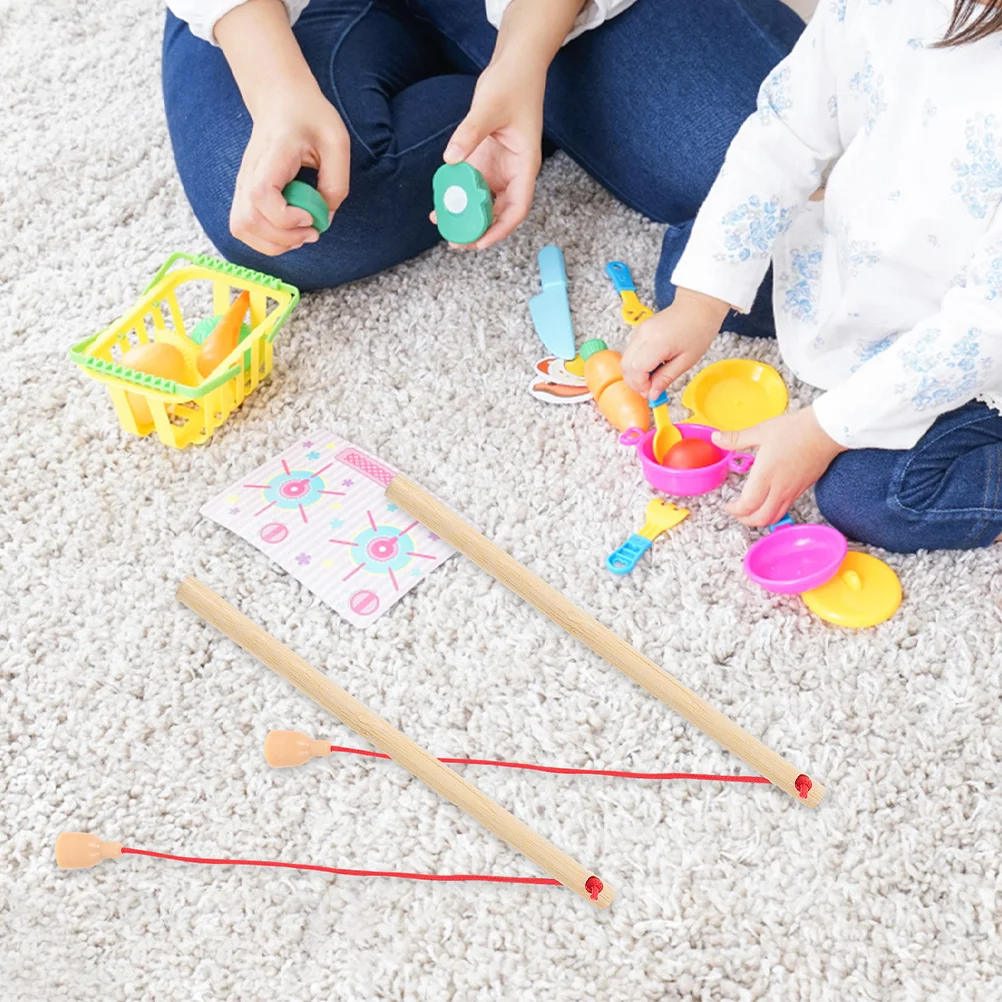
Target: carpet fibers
x,y
124,715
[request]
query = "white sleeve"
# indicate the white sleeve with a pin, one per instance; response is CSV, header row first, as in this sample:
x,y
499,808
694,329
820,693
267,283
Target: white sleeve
x,y
591,15
202,15
772,167
950,358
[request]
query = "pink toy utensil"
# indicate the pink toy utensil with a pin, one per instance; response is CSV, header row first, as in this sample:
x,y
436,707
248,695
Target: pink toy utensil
x,y
795,558
845,588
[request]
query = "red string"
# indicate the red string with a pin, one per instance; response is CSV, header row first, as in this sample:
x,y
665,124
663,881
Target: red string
x,y
803,785
448,877
593,885
706,777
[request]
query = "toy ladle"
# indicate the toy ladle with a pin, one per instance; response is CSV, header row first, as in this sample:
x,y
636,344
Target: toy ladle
x,y
667,434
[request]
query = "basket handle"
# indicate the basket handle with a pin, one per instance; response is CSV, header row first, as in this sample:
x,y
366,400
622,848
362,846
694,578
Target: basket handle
x,y
166,266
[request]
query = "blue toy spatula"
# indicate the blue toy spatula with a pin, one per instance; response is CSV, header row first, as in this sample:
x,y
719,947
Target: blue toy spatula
x,y
551,312
659,517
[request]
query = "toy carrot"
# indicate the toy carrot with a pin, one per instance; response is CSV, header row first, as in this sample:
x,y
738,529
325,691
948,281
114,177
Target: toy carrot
x,y
225,337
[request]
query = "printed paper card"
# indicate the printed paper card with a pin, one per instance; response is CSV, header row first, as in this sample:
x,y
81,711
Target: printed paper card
x,y
319,510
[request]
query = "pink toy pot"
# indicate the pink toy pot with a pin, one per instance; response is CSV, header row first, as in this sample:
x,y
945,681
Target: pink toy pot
x,y
686,483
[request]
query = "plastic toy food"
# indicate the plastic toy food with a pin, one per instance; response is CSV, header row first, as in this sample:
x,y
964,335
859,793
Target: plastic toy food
x,y
225,336
463,207
691,454
686,483
301,195
604,375
667,434
162,360
848,589
558,385
735,394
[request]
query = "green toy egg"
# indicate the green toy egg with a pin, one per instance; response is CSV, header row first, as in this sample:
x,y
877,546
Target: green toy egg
x,y
301,195
463,206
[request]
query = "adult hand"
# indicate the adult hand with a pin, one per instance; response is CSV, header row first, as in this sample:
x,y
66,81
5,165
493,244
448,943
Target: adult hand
x,y
294,128
793,453
671,342
502,137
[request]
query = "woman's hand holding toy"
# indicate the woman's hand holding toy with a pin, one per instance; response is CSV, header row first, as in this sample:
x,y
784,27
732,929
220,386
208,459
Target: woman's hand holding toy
x,y
502,134
793,452
671,342
502,137
294,126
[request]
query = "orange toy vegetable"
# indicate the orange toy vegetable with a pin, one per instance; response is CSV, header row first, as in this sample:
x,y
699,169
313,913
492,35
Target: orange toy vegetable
x,y
691,454
225,337
604,375
155,359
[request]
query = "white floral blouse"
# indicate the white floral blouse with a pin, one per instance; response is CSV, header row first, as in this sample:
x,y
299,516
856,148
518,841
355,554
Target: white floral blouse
x,y
888,293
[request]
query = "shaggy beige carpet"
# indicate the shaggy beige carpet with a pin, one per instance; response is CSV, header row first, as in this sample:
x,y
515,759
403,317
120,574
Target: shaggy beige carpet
x,y
125,716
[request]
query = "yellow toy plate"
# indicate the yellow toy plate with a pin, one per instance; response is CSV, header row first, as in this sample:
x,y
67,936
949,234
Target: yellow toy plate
x,y
736,393
864,592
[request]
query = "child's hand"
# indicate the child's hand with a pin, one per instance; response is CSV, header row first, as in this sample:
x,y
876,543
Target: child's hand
x,y
502,137
793,452
296,127
672,342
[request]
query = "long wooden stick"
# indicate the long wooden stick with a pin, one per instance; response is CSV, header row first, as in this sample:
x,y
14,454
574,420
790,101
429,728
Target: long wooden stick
x,y
255,640
444,522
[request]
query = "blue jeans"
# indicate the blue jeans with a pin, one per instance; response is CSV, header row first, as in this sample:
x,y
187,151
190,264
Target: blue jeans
x,y
647,104
945,493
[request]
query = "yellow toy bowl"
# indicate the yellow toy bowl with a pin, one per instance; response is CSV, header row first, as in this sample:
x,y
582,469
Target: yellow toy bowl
x,y
183,413
735,394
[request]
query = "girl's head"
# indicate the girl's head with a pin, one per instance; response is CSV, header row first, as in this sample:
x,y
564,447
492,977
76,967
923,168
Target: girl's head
x,y
972,20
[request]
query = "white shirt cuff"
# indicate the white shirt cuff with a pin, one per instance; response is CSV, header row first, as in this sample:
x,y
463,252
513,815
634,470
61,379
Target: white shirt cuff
x,y
591,15
201,15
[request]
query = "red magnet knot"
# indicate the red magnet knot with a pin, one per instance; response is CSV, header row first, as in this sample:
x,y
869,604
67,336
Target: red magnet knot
x,y
803,785
594,886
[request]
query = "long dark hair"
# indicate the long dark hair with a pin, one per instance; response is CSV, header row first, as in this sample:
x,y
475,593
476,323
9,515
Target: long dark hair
x,y
972,20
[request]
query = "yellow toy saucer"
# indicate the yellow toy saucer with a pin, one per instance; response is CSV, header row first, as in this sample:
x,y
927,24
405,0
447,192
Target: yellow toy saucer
x,y
863,592
735,394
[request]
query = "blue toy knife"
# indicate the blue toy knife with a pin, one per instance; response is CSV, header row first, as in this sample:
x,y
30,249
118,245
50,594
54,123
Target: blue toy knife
x,y
550,310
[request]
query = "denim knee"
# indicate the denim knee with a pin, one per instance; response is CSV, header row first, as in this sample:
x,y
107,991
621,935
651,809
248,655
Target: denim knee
x,y
945,493
672,247
859,494
854,495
